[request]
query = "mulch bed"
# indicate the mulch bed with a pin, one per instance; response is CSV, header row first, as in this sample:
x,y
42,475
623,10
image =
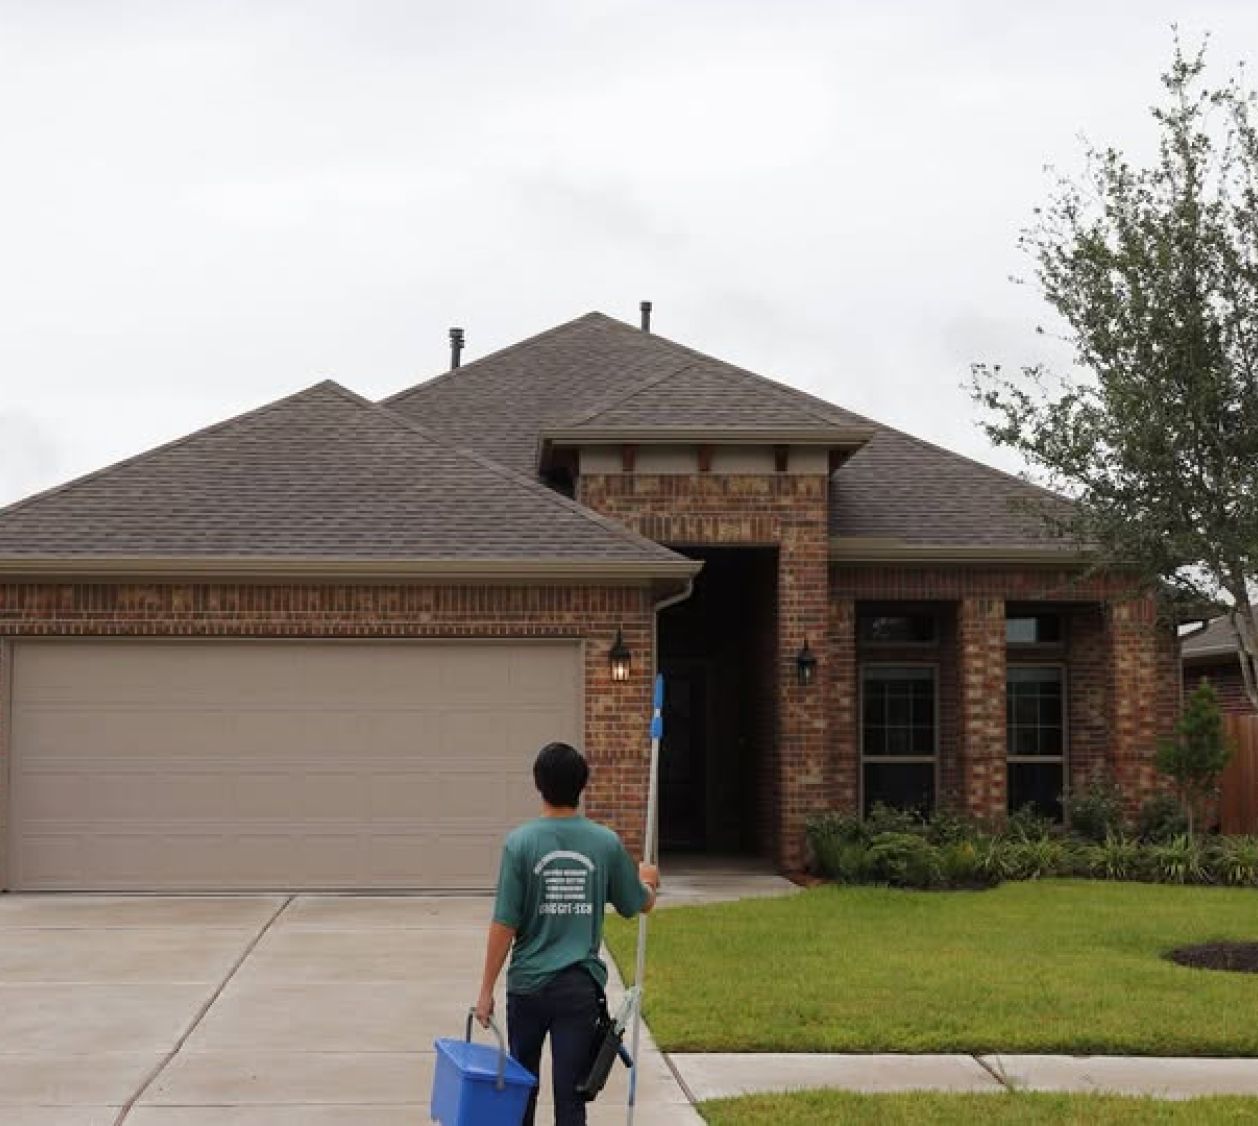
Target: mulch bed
x,y
1239,957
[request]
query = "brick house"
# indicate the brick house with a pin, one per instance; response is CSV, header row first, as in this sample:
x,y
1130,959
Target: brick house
x,y
316,646
1210,654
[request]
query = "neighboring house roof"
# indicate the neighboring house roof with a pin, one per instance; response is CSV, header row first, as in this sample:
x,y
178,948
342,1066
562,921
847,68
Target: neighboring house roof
x,y
322,475
596,376
1211,644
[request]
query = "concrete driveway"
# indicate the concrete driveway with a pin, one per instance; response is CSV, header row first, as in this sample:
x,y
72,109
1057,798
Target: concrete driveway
x,y
246,1011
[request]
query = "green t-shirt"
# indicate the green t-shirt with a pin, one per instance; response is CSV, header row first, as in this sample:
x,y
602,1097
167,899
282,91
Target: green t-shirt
x,y
557,876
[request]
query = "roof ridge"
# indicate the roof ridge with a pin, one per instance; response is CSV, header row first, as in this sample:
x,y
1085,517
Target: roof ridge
x,y
184,439
528,341
618,398
535,487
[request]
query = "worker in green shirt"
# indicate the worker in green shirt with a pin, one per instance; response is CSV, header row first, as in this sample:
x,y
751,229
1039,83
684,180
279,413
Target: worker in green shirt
x,y
558,873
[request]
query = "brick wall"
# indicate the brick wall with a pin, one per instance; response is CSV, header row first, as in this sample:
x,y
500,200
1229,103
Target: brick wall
x,y
1142,693
1086,695
786,511
981,706
616,715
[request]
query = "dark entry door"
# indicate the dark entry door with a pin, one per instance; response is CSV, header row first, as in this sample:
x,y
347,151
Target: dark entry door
x,y
684,753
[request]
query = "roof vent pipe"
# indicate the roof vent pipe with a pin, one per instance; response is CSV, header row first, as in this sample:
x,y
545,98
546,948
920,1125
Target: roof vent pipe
x,y
646,316
456,347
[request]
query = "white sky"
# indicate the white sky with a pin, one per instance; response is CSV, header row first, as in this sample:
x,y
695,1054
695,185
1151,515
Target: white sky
x,y
207,205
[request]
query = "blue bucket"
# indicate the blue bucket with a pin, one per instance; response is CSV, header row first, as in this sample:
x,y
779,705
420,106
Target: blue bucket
x,y
478,1085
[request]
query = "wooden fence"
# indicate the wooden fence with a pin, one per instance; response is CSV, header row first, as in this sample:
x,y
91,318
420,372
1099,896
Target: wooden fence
x,y
1238,800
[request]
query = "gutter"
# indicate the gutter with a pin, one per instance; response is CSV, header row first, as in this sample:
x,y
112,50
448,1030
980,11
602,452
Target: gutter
x,y
664,604
37,568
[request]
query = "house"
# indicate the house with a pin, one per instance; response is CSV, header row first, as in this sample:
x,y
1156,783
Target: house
x,y
1211,654
316,646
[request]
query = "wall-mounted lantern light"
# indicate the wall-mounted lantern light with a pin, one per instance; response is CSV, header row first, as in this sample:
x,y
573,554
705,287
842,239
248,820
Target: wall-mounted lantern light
x,y
620,658
805,665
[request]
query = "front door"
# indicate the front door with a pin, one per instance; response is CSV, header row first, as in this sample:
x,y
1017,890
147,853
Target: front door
x,y
683,754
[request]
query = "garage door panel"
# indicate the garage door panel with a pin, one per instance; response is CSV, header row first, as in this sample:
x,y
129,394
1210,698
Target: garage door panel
x,y
229,765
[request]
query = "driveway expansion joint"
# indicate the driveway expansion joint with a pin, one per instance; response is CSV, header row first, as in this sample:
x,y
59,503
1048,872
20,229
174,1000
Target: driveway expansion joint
x,y
125,1111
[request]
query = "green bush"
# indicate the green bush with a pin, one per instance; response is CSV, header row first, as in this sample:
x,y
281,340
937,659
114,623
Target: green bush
x,y
1234,860
1181,860
887,819
1161,819
1027,823
1119,858
904,860
962,864
1096,810
1032,859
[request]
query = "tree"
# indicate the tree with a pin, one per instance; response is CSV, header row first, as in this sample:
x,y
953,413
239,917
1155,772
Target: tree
x,y
1198,754
1154,433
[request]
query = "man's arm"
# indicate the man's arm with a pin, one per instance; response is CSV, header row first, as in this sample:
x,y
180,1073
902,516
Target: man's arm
x,y
497,947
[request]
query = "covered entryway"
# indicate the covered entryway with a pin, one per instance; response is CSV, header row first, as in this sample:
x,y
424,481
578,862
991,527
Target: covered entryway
x,y
718,655
233,765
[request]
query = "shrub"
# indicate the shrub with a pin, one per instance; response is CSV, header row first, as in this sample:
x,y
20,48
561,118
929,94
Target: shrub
x,y
903,860
1161,819
1027,823
1033,859
947,827
1118,858
1180,860
1234,860
887,819
1195,758
1096,810
828,833
961,865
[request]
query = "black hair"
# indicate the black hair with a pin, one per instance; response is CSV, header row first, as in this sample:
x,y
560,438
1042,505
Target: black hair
x,y
560,772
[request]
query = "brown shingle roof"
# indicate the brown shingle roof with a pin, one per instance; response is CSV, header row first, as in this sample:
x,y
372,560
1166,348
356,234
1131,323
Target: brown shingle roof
x,y
600,373
320,475
901,487
1216,640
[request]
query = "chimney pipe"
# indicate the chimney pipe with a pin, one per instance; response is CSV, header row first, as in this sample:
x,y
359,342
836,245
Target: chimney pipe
x,y
646,316
456,347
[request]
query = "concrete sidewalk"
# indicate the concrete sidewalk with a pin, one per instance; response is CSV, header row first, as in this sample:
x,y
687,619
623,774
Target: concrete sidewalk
x,y
727,1075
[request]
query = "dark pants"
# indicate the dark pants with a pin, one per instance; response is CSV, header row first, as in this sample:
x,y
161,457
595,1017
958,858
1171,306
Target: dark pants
x,y
565,1007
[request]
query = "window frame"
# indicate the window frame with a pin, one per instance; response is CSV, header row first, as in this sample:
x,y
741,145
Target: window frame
x,y
1037,646
933,668
1063,670
891,643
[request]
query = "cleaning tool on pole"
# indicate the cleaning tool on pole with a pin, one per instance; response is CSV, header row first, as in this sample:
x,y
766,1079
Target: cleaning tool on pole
x,y
650,856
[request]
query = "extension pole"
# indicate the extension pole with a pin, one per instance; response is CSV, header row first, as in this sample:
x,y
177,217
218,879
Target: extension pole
x,y
650,855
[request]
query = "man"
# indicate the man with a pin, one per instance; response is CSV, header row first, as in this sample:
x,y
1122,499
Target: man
x,y
557,874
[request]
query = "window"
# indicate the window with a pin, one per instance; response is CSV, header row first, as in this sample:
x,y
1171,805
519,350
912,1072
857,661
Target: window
x,y
1035,728
898,736
1033,629
910,629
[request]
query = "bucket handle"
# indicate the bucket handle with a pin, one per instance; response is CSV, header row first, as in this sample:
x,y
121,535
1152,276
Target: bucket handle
x,y
502,1047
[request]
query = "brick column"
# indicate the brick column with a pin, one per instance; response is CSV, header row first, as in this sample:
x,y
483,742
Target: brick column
x,y
843,695
1140,693
1087,695
802,615
981,679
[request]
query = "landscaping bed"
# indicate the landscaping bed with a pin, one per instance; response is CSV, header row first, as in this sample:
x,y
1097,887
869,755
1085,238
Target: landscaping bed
x,y
1046,966
812,1108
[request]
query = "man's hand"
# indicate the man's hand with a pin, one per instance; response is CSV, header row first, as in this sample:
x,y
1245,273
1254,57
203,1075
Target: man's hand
x,y
484,1009
649,874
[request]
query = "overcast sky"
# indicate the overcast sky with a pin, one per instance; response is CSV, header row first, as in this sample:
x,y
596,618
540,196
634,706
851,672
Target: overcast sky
x,y
207,205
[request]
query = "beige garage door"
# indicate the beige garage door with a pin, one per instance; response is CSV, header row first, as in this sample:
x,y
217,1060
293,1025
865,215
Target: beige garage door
x,y
239,765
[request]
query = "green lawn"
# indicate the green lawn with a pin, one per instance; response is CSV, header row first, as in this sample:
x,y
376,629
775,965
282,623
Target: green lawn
x,y
1068,966
816,1107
